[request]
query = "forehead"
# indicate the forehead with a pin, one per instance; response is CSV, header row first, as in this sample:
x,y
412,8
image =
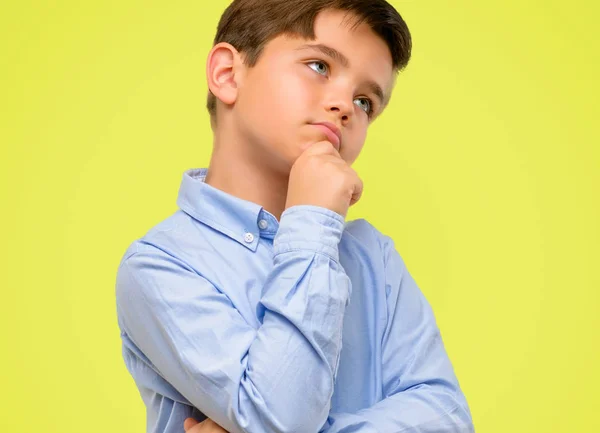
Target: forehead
x,y
360,41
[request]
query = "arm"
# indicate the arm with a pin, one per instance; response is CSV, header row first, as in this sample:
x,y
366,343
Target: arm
x,y
421,391
276,378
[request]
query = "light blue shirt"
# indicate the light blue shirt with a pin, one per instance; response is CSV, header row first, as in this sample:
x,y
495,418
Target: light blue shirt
x,y
307,324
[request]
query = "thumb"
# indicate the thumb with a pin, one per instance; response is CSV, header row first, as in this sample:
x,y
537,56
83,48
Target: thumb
x,y
189,423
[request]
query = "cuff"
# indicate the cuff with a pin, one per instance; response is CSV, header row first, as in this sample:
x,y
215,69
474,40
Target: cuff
x,y
308,227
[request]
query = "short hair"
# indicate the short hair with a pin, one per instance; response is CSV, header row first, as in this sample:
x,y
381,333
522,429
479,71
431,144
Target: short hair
x,y
248,25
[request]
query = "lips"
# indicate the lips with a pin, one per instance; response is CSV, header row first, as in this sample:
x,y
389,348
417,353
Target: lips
x,y
332,132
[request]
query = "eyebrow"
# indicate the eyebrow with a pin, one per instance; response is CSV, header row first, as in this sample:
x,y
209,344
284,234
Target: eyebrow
x,y
343,60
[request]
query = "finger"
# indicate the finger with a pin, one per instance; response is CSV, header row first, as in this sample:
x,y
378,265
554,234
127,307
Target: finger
x,y
189,423
358,190
323,147
214,427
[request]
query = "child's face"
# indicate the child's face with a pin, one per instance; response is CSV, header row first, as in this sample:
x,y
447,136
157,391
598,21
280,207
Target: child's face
x,y
291,87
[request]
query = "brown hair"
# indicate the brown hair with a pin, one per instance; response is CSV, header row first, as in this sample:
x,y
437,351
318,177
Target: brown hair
x,y
248,25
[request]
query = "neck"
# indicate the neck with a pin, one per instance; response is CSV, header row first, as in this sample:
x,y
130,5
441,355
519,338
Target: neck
x,y
245,170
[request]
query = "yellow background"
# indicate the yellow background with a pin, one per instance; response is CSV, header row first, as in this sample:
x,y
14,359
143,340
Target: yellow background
x,y
485,170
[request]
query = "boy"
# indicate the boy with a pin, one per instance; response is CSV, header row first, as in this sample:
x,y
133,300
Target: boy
x,y
256,307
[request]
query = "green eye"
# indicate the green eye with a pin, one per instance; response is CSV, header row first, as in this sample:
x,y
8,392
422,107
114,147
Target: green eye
x,y
320,70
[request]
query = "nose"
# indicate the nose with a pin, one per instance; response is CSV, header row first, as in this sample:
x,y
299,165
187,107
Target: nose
x,y
341,107
342,112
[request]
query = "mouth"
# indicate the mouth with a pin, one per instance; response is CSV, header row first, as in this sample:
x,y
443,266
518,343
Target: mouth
x,y
332,133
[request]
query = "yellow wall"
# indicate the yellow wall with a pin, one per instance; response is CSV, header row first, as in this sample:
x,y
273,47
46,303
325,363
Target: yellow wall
x,y
485,170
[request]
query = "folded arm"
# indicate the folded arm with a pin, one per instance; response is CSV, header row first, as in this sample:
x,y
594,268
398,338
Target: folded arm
x,y
277,377
421,391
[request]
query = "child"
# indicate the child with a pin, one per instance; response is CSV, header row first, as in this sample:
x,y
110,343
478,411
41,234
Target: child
x,y
256,307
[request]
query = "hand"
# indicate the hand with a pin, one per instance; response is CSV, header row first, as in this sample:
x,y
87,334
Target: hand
x,y
320,177
190,425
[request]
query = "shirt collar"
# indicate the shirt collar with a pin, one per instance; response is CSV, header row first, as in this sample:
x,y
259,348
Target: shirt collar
x,y
241,220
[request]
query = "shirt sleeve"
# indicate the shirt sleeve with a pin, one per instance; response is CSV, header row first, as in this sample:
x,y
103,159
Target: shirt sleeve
x,y
422,393
276,378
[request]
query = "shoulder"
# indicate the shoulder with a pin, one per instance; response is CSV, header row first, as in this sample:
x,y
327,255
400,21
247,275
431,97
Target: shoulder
x,y
361,233
155,267
362,230
167,238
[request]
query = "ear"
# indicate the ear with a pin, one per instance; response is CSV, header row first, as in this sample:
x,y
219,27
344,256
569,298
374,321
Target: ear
x,y
224,70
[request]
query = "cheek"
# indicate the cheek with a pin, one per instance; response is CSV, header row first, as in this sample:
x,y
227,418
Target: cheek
x,y
289,91
351,152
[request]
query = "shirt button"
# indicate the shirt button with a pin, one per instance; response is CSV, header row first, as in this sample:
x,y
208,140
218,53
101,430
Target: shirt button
x,y
263,224
249,237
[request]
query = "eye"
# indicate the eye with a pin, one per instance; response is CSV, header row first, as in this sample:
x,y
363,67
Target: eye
x,y
321,68
367,105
